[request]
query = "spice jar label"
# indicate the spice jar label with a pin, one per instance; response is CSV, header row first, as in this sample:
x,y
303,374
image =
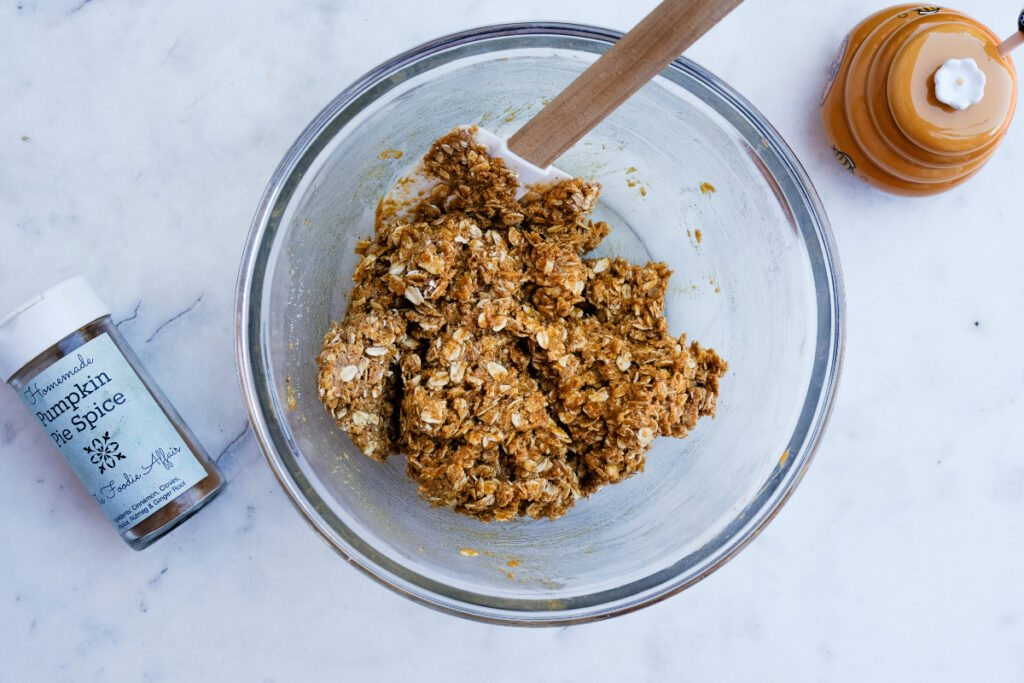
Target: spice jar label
x,y
112,432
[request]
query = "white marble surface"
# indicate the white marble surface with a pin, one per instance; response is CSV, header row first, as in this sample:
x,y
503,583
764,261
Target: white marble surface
x,y
136,139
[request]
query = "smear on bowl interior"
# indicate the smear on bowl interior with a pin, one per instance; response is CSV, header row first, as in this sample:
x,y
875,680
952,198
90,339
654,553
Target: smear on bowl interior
x,y
516,375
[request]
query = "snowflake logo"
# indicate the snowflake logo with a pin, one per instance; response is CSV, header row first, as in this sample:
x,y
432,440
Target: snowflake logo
x,y
104,452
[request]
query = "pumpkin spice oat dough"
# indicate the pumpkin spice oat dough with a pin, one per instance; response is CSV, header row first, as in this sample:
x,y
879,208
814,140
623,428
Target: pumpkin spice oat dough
x,y
515,375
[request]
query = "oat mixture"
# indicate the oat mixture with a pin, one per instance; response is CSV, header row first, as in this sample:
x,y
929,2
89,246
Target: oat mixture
x,y
515,375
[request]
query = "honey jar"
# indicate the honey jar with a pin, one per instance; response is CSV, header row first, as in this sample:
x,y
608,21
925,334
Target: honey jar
x,y
918,99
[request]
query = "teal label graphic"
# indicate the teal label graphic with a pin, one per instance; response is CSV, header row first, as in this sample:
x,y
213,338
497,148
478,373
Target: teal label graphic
x,y
112,432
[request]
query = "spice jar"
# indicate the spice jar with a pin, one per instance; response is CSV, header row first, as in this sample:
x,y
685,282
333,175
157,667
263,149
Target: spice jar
x,y
118,432
918,99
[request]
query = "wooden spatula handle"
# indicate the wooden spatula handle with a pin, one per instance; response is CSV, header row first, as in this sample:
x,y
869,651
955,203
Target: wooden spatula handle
x,y
642,53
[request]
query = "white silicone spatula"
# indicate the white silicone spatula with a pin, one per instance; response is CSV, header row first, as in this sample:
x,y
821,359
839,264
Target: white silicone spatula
x,y
640,55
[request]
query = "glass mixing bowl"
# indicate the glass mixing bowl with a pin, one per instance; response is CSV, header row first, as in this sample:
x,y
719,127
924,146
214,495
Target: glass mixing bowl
x,y
760,283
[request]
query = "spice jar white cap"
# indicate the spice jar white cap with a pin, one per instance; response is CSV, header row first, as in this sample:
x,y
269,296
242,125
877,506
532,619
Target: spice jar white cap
x,y
44,320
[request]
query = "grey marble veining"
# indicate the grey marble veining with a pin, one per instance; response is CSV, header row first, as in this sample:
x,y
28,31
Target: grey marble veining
x,y
136,139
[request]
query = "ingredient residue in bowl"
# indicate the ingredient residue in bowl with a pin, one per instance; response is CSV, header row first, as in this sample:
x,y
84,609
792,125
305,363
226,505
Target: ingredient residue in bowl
x,y
515,375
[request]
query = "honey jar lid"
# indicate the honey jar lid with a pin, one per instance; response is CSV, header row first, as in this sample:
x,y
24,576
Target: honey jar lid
x,y
44,320
911,91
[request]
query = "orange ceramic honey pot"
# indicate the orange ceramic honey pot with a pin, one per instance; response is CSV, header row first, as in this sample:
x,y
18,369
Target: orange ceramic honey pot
x,y
882,111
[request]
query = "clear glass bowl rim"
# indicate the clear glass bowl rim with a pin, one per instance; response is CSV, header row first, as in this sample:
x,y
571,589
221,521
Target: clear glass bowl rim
x,y
260,399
